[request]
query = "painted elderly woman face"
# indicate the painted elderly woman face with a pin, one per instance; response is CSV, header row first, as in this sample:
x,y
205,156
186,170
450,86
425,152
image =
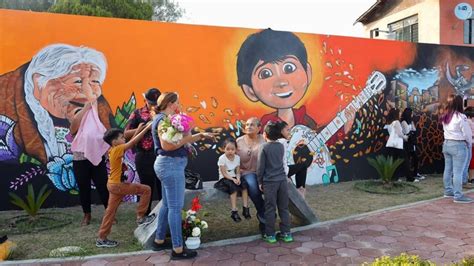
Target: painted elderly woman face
x,y
65,96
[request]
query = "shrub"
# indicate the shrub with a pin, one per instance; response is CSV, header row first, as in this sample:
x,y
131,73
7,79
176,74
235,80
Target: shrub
x,y
385,167
32,204
402,260
469,261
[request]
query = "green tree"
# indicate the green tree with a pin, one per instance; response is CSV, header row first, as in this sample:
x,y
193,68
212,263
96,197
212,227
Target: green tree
x,y
33,5
105,8
164,10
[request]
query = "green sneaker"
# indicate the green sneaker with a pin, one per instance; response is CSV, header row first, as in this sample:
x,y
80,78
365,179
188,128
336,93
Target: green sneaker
x,y
269,239
287,237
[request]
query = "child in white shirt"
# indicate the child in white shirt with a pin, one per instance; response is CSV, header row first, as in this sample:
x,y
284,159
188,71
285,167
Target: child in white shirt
x,y
230,181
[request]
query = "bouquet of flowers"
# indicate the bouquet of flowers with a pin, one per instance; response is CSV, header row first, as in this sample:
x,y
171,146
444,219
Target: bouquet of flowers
x,y
192,225
175,127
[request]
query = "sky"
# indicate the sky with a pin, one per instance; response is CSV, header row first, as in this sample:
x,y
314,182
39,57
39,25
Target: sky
x,y
334,17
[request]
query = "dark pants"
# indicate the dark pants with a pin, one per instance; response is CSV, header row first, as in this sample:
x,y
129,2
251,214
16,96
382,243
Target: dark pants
x,y
299,170
85,172
144,161
276,196
404,169
412,158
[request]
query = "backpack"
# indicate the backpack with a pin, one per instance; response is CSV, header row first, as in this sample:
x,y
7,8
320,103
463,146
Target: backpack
x,y
193,180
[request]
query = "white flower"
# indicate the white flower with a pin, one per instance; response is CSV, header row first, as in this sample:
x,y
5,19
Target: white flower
x,y
196,231
191,212
193,218
204,225
177,137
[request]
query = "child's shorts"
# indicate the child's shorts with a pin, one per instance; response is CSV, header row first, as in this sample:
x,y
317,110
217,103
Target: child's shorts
x,y
228,186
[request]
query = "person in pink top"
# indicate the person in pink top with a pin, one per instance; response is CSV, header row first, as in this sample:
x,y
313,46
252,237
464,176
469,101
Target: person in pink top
x,y
86,171
248,146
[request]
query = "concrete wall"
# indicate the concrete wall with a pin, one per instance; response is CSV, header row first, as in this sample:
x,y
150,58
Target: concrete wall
x,y
338,89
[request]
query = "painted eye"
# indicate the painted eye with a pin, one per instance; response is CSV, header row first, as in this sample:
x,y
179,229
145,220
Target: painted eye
x,y
265,73
289,68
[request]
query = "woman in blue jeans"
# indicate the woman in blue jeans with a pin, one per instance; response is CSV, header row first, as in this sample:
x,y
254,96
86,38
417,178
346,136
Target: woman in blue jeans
x,y
457,139
247,149
169,167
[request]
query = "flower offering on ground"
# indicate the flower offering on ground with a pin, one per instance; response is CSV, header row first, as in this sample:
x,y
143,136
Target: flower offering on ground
x,y
192,225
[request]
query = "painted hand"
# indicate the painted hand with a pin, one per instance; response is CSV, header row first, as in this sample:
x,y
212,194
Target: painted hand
x,y
350,115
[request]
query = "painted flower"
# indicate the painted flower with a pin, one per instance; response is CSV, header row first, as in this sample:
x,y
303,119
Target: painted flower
x,y
196,231
60,172
8,148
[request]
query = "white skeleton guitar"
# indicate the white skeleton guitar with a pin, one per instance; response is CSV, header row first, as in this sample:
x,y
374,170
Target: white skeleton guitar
x,y
321,170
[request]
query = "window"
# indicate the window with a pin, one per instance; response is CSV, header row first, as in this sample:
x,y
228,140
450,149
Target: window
x,y
405,29
374,33
469,31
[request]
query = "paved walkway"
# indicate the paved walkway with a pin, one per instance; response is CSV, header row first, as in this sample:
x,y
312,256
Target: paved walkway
x,y
439,230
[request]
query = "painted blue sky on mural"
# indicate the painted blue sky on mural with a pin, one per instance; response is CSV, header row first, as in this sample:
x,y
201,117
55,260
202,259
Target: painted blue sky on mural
x,y
422,79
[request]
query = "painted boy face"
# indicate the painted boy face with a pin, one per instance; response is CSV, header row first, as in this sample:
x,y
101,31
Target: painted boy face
x,y
280,84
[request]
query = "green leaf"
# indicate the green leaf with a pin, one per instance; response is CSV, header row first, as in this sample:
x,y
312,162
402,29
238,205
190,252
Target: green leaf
x,y
30,197
385,166
42,196
33,204
25,158
16,200
122,114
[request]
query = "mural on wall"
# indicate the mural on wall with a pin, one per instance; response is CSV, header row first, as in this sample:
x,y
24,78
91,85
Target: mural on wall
x,y
333,91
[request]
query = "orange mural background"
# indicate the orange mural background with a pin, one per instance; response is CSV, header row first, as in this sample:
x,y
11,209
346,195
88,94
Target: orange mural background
x,y
197,61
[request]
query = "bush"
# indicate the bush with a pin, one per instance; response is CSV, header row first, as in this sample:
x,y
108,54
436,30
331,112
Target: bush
x,y
469,261
32,204
385,167
401,260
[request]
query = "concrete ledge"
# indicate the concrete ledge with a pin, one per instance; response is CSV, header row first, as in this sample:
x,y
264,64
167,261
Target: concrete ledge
x,y
298,207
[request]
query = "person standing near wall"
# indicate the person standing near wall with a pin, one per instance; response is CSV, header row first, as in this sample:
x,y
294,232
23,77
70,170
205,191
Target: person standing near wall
x,y
469,169
145,154
395,144
169,166
88,150
299,169
248,146
457,139
409,129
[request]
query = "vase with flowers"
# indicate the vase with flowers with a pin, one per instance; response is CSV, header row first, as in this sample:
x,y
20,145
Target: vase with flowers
x,y
193,225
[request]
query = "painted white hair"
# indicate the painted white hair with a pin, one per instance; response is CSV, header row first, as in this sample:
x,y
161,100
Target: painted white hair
x,y
52,62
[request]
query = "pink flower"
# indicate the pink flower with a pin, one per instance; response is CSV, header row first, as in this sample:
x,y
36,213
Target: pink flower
x,y
182,122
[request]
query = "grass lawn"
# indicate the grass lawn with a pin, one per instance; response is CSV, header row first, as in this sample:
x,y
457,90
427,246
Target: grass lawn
x,y
329,202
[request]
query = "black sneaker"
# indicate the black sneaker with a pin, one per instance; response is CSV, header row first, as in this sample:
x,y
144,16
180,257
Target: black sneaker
x,y
106,243
146,219
158,247
246,213
235,216
186,254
